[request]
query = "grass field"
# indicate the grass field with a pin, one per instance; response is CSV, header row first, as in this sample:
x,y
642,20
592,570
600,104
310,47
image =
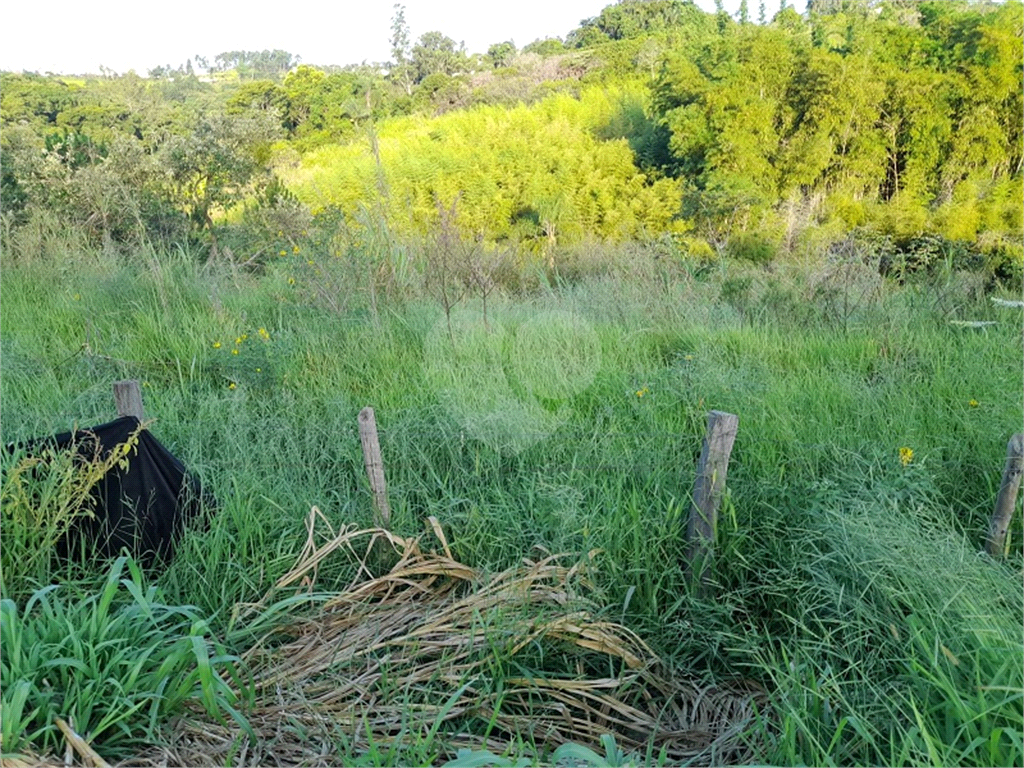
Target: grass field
x,y
848,582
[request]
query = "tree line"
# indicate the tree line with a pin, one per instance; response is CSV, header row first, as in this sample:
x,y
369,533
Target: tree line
x,y
750,135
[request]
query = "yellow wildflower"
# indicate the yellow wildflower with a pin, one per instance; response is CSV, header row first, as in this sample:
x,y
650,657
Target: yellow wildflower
x,y
234,351
216,345
78,297
259,370
263,334
245,337
295,249
291,281
687,358
643,391
906,455
973,403
231,385
284,253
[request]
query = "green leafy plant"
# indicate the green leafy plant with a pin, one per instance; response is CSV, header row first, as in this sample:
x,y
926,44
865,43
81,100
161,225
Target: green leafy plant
x,y
114,663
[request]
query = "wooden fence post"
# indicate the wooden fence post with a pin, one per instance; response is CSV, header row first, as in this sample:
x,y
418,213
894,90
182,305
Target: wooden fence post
x,y
374,466
999,524
128,398
707,493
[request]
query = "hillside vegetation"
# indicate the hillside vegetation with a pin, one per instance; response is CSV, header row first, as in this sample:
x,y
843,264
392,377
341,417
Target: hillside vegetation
x,y
752,139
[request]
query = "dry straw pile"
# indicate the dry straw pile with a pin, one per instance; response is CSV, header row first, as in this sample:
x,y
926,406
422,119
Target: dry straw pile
x,y
400,655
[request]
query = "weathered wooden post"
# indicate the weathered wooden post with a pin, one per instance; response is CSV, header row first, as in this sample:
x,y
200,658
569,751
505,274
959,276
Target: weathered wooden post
x,y
128,398
707,494
374,466
995,541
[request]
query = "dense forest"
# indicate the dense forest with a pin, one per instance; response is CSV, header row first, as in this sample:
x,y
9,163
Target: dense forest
x,y
759,137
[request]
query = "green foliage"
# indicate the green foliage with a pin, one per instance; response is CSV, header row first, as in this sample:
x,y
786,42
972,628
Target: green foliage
x,y
533,174
502,54
215,164
546,47
866,108
74,149
116,664
33,98
634,18
436,53
752,247
905,122
255,64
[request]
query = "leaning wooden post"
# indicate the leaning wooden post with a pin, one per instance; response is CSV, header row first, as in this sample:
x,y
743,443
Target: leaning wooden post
x,y
374,466
128,398
707,493
995,541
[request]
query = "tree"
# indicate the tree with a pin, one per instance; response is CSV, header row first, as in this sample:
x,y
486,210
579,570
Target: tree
x,y
546,47
265,95
401,71
256,64
502,54
744,12
437,53
216,165
721,16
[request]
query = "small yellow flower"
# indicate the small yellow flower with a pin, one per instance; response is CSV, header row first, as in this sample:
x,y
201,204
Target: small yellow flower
x,y
239,340
216,345
78,297
259,370
263,334
906,455
284,253
245,337
234,351
232,385
688,358
291,281
295,249
310,262
280,232
643,391
972,403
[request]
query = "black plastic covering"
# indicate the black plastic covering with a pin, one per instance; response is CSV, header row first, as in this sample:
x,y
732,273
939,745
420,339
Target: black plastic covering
x,y
143,508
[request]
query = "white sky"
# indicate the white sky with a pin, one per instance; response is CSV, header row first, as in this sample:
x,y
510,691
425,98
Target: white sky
x,y
68,37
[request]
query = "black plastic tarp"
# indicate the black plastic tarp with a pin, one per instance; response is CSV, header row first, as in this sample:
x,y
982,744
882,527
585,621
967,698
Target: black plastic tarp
x,y
143,507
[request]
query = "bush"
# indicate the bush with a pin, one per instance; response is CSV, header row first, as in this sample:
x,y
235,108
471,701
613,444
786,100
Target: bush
x,y
752,247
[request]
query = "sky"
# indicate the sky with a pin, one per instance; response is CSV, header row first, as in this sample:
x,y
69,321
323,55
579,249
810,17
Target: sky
x,y
68,37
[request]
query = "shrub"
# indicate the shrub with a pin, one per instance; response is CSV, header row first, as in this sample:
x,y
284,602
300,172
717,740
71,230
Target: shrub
x,y
751,246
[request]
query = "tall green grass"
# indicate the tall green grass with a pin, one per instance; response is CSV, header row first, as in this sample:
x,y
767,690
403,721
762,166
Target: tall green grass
x,y
848,584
